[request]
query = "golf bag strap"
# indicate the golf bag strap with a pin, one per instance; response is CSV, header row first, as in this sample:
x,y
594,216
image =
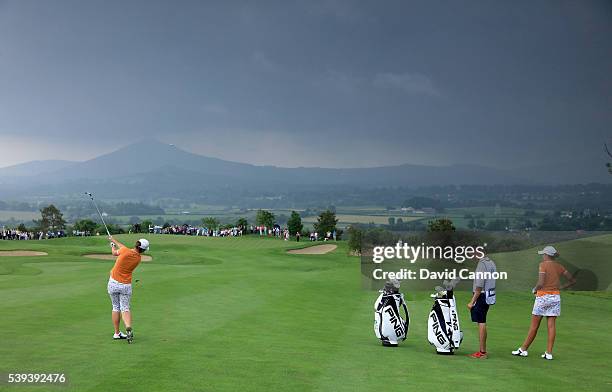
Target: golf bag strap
x,y
383,303
407,318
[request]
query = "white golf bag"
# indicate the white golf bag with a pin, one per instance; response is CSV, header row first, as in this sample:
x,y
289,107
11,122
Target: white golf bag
x,y
389,326
443,330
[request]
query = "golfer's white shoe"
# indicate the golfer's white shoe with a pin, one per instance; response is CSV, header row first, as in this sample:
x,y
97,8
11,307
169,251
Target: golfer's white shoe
x,y
119,335
547,356
520,353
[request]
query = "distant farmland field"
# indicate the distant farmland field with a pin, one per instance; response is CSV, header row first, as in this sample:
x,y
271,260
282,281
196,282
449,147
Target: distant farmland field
x,y
19,215
352,218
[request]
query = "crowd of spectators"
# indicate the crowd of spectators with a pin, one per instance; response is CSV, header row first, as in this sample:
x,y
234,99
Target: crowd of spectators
x,y
25,235
330,235
236,231
197,231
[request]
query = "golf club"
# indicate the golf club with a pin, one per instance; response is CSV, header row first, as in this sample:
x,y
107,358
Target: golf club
x,y
99,213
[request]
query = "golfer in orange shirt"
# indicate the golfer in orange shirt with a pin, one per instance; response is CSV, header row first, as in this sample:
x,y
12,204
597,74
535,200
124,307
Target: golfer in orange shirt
x,y
547,301
120,284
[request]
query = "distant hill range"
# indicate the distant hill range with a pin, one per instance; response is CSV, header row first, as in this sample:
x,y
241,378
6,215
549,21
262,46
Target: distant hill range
x,y
33,168
153,169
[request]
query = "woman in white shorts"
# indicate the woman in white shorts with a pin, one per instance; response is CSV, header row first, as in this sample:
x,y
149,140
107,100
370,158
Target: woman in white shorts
x,y
120,284
548,300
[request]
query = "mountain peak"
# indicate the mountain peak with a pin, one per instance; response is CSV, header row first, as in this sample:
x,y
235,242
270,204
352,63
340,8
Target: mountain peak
x,y
149,144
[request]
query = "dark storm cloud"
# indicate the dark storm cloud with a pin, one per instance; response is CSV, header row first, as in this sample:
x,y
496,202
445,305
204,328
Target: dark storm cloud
x,y
496,83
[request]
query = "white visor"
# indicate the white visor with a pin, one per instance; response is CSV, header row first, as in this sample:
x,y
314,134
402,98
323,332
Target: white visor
x,y
548,250
144,244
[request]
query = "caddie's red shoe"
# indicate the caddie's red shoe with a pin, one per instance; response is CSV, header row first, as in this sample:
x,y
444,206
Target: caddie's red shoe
x,y
478,355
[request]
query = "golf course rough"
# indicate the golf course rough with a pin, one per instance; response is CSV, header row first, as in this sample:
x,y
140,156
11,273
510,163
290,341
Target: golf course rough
x,y
240,314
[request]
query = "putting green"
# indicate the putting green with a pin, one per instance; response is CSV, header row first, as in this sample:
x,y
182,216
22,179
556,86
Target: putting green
x,y
232,314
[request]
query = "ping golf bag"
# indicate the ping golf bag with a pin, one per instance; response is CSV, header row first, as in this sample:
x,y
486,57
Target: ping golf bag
x,y
443,331
389,326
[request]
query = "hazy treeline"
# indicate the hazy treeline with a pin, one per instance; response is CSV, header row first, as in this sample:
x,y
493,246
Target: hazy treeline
x,y
593,196
84,208
443,232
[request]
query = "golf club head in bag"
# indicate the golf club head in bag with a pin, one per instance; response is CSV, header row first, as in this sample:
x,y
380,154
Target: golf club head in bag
x,y
443,329
389,326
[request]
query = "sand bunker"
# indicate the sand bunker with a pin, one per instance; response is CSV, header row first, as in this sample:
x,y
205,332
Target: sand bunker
x,y
21,253
102,256
313,250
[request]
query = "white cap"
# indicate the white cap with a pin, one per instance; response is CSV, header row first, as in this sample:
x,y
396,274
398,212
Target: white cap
x,y
144,244
548,250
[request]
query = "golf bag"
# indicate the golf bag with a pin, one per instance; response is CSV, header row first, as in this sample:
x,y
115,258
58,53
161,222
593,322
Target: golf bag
x,y
443,330
389,326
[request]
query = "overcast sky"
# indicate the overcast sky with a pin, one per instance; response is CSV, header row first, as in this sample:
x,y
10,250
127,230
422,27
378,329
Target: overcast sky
x,y
310,83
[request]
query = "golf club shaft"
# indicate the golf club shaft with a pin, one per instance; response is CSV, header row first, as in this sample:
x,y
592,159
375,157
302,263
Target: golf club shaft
x,y
101,217
99,213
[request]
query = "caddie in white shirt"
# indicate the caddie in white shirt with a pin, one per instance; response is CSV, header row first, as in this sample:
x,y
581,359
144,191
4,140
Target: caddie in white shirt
x,y
483,296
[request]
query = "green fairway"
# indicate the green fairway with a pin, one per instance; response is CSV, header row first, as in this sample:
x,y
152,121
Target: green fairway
x,y
233,314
